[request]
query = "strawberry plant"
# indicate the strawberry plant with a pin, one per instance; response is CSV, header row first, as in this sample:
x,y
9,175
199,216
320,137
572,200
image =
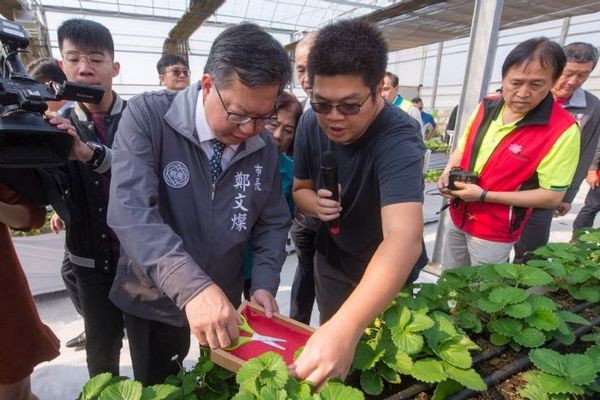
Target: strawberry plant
x,y
494,298
574,267
414,341
205,380
561,376
266,377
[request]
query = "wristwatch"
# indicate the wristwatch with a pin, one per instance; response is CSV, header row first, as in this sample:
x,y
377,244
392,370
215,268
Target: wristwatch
x,y
98,156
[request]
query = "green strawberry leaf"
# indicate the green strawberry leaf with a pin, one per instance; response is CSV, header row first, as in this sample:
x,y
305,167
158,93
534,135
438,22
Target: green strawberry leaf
x,y
445,389
469,320
365,357
558,384
158,392
549,361
508,295
519,310
388,373
371,383
410,343
498,339
455,354
419,323
428,370
400,362
123,390
338,391
94,386
543,319
505,326
466,377
530,337
581,369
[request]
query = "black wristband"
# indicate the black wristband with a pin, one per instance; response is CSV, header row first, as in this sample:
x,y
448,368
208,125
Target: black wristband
x,y
482,197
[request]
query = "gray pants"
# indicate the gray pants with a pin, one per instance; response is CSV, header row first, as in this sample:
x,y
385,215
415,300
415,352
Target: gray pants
x,y
586,216
535,233
464,250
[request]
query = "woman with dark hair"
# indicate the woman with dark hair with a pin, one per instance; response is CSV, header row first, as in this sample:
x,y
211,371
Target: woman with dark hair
x,y
283,129
24,340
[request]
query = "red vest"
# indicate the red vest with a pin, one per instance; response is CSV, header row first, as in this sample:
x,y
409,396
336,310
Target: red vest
x,y
511,167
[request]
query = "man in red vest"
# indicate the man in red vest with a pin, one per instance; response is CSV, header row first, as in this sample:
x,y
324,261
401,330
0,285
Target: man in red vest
x,y
523,147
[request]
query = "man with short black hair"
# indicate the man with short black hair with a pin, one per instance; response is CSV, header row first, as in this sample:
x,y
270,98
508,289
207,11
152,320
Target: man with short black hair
x,y
524,148
195,182
585,108
379,152
88,57
173,72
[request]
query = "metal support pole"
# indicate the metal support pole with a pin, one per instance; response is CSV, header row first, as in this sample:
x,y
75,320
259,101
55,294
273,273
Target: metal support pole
x,y
480,61
564,31
436,75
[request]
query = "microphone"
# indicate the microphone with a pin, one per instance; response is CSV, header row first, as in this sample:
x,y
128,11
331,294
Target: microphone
x,y
330,179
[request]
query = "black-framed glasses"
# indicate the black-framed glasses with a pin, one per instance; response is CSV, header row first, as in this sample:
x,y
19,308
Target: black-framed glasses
x,y
241,119
344,108
178,71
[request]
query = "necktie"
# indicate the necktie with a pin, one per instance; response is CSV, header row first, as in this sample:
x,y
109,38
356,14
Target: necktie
x,y
215,160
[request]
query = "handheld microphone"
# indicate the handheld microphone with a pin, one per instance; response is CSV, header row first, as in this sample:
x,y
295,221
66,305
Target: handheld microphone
x,y
330,179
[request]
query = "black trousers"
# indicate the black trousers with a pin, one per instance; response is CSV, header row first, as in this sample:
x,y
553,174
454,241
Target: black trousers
x,y
153,347
587,214
68,277
303,287
103,320
535,234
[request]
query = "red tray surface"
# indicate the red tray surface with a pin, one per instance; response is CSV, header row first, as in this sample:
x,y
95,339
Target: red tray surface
x,y
296,338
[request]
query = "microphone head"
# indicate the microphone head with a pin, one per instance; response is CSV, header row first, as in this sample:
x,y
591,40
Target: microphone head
x,y
328,160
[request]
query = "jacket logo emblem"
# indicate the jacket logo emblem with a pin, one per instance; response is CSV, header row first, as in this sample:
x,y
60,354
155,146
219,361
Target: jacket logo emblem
x,y
515,148
176,174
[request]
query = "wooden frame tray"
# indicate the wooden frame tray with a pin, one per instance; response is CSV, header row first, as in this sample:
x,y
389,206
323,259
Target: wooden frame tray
x,y
294,332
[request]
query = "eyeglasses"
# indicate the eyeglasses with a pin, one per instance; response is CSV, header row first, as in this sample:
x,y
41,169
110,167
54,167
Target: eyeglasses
x,y
344,108
95,60
241,119
177,72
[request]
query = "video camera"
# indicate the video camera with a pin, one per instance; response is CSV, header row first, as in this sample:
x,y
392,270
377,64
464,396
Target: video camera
x,y
457,174
26,138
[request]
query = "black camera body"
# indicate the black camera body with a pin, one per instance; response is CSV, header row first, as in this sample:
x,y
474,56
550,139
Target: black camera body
x,y
458,174
26,138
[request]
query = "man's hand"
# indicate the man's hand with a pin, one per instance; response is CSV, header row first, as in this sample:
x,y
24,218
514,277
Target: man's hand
x,y
212,318
328,354
592,179
468,192
442,184
266,300
56,223
327,209
80,151
562,209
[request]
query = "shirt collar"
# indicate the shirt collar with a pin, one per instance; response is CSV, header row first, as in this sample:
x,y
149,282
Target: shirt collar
x,y
577,99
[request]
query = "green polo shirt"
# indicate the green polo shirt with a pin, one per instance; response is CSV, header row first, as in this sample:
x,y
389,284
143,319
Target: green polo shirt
x,y
555,171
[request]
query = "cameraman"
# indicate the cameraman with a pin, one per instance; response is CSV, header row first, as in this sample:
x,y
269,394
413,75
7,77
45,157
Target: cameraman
x,y
525,149
87,52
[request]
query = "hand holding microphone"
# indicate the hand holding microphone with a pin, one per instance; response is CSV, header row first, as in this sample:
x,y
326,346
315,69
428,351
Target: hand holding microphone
x,y
328,202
